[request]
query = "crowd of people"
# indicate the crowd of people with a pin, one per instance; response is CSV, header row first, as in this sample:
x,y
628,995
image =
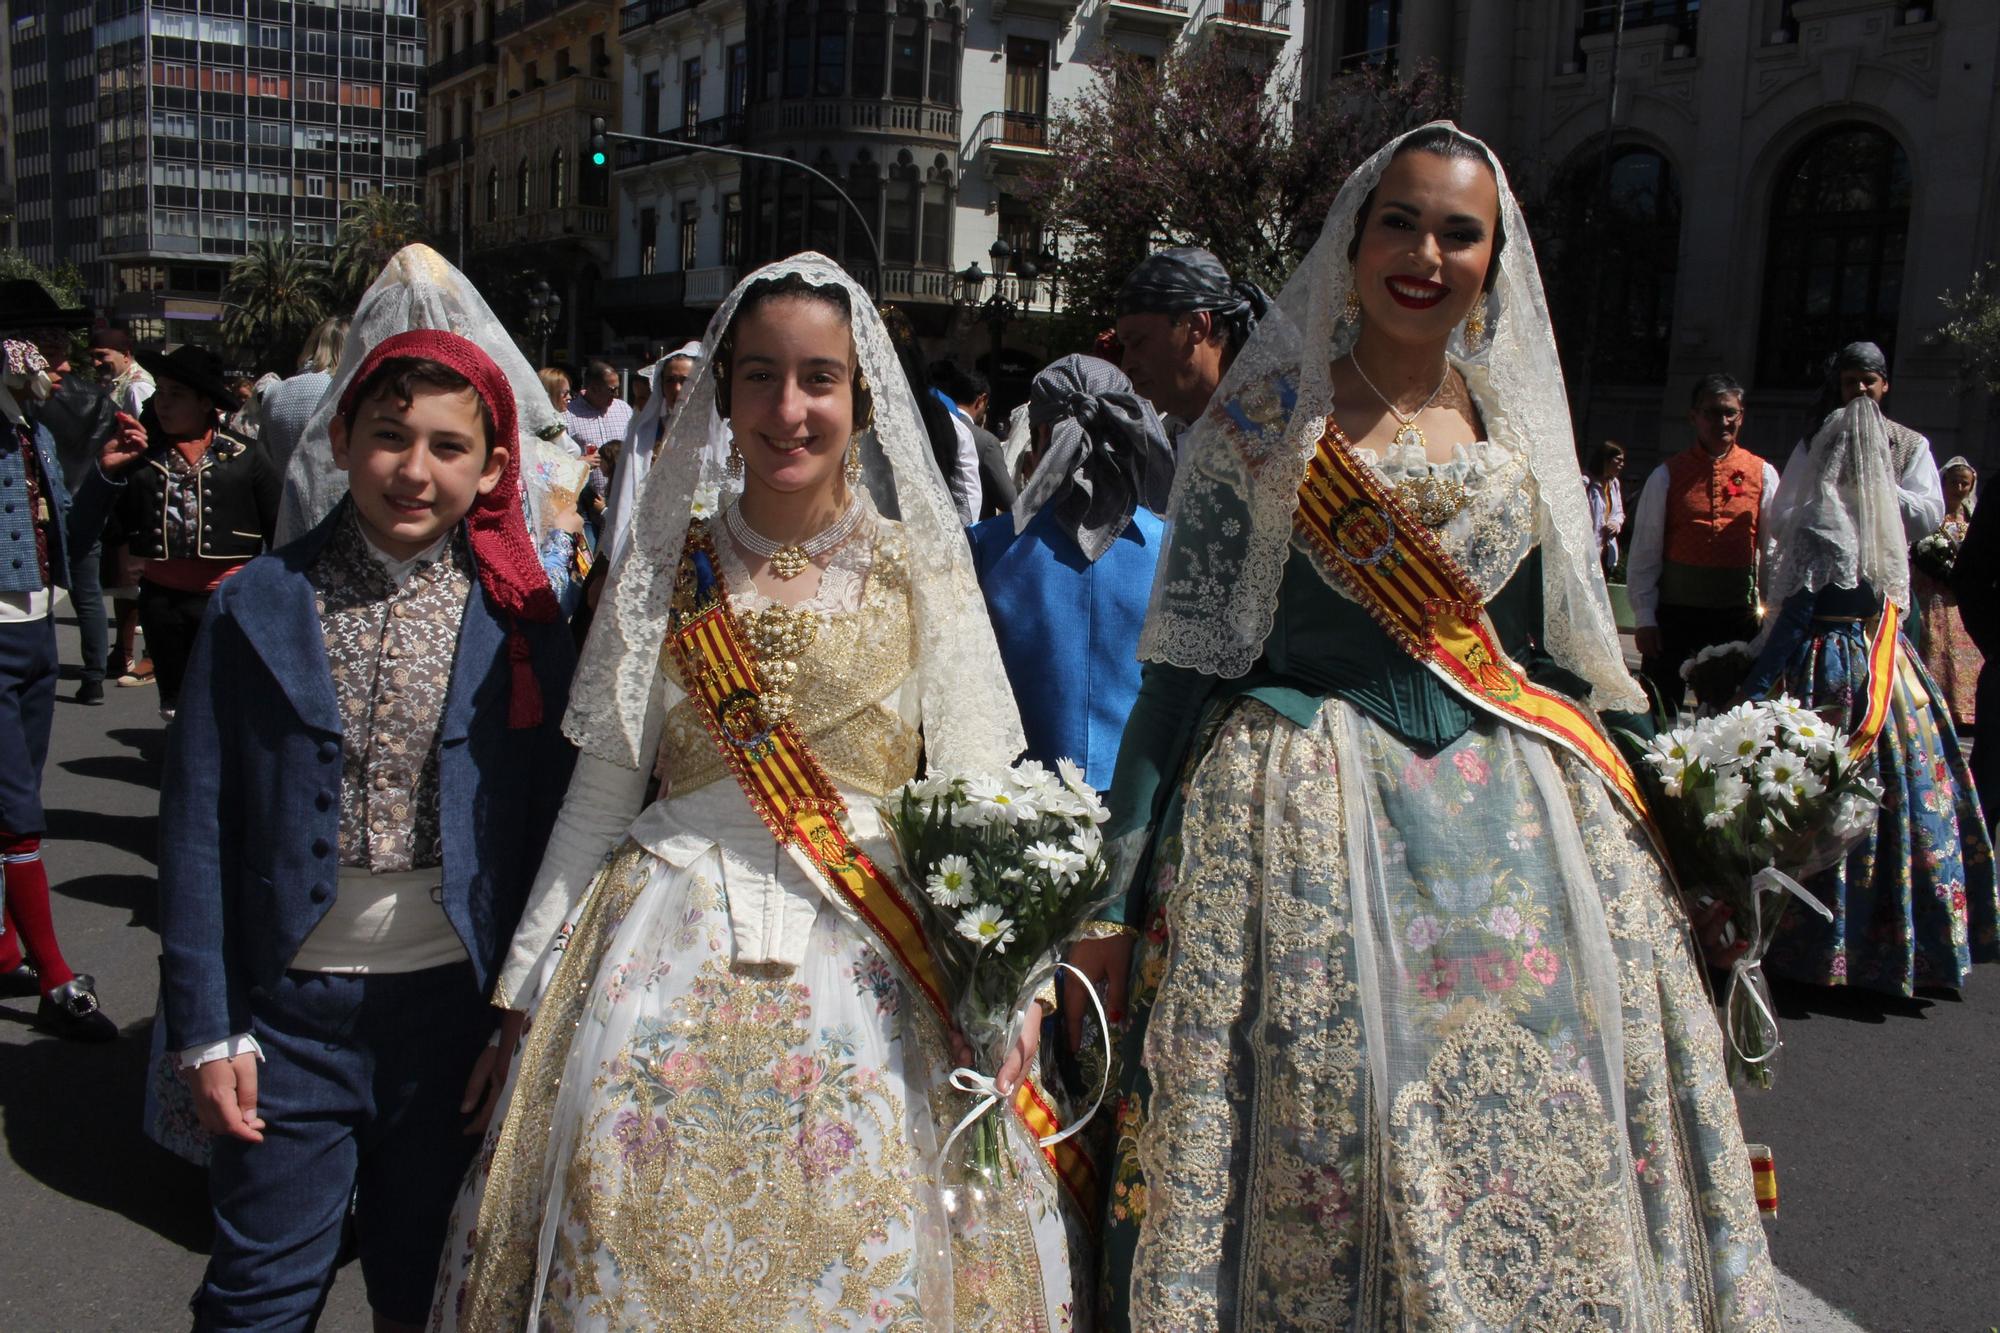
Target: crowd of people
x,y
525,740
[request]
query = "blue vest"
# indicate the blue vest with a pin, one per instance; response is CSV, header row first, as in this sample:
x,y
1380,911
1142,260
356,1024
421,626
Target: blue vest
x,y
1069,631
19,570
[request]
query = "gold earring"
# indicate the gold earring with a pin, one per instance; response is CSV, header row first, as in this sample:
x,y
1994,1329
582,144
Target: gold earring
x,y
735,468
1352,310
1475,324
852,467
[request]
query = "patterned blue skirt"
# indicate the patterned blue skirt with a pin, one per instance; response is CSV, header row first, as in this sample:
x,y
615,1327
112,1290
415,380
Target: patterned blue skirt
x,y
1914,904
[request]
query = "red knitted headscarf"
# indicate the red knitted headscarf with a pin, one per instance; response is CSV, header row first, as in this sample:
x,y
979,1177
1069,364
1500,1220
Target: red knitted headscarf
x,y
503,552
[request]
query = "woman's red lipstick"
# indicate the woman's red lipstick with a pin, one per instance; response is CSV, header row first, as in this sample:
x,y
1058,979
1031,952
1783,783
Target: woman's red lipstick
x,y
1415,293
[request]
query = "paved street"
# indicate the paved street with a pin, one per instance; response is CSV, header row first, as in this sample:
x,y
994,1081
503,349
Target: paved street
x,y
1882,1123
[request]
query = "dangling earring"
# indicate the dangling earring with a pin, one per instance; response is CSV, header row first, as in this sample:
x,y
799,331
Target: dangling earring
x,y
1351,312
852,467
1475,325
735,467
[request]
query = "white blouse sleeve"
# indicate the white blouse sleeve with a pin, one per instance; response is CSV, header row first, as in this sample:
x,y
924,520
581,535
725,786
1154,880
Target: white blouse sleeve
x,y
602,801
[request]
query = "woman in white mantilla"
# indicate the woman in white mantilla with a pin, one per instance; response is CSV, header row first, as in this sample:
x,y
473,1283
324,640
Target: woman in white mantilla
x,y
726,1109
1418,1037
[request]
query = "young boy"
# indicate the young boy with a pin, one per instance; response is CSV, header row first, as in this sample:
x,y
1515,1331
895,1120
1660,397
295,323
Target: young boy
x,y
366,765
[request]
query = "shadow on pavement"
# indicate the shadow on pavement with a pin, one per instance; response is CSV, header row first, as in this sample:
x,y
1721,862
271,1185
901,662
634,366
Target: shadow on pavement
x,y
1797,1002
149,742
133,769
72,1116
137,834
139,894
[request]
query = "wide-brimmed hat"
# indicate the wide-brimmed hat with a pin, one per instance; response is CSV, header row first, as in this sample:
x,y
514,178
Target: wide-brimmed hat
x,y
196,367
26,304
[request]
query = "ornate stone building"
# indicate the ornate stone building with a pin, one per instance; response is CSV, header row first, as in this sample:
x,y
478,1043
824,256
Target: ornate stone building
x,y
1784,176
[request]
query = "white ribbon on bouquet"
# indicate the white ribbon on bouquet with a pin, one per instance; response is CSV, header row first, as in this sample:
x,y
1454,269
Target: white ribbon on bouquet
x,y
1744,972
983,1086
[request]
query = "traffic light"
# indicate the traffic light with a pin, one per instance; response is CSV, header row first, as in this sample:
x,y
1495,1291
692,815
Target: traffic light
x,y
600,147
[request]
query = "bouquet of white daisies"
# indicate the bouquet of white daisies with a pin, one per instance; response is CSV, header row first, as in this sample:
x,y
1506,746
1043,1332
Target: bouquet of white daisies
x,y
1006,868
1750,802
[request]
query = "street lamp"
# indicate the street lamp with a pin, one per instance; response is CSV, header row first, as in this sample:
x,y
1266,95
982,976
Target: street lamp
x,y
1004,306
544,316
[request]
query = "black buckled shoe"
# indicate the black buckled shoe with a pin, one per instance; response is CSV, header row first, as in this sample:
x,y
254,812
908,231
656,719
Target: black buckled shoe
x,y
20,982
71,1012
90,692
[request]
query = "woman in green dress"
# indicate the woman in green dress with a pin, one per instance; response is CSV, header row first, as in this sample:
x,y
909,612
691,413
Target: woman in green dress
x,y
1418,1038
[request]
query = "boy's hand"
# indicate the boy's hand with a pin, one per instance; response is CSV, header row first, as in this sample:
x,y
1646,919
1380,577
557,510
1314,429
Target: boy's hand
x,y
225,1097
489,1073
126,446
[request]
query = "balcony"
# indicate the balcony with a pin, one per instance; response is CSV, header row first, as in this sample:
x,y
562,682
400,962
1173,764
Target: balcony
x,y
846,115
542,226
708,288
1145,18
715,130
1061,11
578,93
475,56
641,294
644,13
451,153
1256,23
1006,140
908,282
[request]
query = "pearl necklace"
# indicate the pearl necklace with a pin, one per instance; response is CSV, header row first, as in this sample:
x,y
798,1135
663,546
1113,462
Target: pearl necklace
x,y
788,560
1406,433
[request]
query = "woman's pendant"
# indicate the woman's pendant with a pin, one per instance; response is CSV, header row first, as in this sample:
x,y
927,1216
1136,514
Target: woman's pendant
x,y
1409,437
790,560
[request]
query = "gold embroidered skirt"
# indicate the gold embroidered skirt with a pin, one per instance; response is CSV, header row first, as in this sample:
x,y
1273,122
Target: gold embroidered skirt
x,y
688,1144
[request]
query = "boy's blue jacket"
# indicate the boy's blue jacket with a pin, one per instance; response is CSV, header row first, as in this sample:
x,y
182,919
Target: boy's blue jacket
x,y
250,799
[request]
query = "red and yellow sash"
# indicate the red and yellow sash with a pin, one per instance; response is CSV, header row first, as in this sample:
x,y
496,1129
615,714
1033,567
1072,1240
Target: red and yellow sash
x,y
1392,564
1881,682
801,806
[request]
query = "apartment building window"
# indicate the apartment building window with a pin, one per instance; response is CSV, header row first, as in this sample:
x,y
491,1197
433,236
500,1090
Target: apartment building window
x,y
798,55
738,90
830,56
732,229
1369,34
360,188
270,85
690,94
406,99
268,35
1027,91
649,239
558,181
521,187
906,82
493,194
357,47
169,74
944,64
649,103
318,90
871,45
864,188
690,232
899,231
318,43
315,187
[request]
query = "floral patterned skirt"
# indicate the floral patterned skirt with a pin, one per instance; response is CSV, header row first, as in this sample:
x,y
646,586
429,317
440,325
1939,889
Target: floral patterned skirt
x,y
730,1147
1420,1043
1914,904
1949,653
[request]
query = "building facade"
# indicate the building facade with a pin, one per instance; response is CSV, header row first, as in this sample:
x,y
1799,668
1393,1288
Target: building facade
x,y
51,138
925,114
1784,176
217,130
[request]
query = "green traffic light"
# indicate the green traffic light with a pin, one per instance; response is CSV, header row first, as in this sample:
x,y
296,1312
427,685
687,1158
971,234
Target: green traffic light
x,y
597,158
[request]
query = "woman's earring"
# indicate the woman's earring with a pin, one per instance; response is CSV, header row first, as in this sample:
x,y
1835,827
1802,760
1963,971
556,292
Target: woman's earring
x,y
1352,310
852,467
1475,325
735,468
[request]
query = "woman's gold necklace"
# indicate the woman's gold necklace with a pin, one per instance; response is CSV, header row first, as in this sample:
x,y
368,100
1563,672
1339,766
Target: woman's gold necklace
x,y
788,560
1407,433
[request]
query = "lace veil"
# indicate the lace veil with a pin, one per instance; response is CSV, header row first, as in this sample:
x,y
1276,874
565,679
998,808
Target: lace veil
x,y
1216,594
1840,524
417,289
969,717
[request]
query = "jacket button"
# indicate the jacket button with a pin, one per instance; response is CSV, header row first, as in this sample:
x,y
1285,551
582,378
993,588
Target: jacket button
x,y
323,801
329,751
320,847
10,509
17,564
318,894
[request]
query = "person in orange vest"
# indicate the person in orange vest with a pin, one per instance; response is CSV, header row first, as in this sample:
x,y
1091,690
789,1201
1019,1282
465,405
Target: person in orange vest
x,y
1691,575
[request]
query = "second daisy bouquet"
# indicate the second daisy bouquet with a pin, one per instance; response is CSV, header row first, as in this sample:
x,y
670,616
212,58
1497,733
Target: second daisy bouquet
x,y
1750,802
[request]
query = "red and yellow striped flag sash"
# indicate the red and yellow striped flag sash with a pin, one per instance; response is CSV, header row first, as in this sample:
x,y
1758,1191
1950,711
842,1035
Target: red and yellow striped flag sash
x,y
1881,682
802,808
1391,563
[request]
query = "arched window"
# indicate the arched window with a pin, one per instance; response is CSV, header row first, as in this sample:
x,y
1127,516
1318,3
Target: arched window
x,y
558,183
492,194
521,187
1610,259
1840,217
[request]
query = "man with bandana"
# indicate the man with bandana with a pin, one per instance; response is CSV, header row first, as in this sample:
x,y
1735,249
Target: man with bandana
x,y
1181,321
1861,368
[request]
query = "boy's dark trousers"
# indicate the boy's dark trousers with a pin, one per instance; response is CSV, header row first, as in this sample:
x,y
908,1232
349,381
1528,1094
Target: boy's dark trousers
x,y
359,1092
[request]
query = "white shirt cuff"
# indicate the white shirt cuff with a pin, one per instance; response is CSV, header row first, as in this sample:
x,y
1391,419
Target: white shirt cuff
x,y
194,1057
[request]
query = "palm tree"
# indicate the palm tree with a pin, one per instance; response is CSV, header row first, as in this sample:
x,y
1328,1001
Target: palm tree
x,y
277,292
373,229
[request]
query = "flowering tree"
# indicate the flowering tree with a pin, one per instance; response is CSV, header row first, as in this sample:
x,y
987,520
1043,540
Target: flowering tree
x,y
1207,149
1975,326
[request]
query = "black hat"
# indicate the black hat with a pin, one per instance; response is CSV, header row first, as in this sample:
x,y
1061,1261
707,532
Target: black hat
x,y
26,304
196,367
